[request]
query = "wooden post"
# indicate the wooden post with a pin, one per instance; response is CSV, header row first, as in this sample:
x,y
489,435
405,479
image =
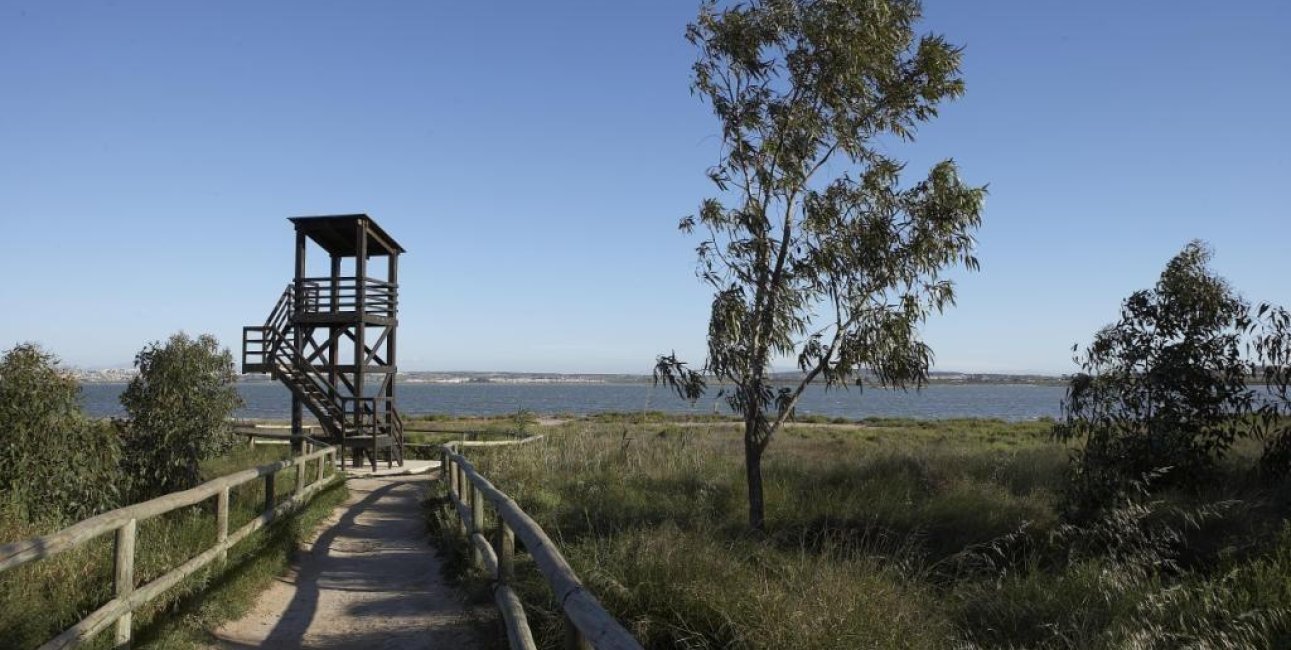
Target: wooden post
x,y
124,579
268,491
573,638
392,276
300,476
468,491
322,462
297,338
477,524
360,330
504,546
222,521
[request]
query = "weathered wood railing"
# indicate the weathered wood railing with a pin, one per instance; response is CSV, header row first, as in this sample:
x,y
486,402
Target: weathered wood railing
x,y
587,624
125,521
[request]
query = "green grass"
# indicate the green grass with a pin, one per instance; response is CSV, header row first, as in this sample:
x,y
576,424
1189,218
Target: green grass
x,y
43,598
891,534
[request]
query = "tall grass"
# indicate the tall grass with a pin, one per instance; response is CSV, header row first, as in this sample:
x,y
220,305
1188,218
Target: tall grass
x,y
891,534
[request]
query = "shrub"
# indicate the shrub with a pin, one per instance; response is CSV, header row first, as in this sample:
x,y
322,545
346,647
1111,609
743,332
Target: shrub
x,y
1165,386
59,465
179,408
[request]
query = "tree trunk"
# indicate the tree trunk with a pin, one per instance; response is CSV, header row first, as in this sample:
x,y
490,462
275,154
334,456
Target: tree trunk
x,y
753,475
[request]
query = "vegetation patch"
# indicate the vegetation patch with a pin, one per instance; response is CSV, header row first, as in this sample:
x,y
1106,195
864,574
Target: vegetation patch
x,y
932,535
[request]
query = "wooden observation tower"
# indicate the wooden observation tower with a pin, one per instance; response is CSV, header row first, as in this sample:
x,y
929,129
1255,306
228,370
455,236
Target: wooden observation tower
x,y
331,339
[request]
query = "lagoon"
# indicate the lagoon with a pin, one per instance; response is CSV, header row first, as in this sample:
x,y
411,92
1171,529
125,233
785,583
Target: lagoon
x,y
1012,402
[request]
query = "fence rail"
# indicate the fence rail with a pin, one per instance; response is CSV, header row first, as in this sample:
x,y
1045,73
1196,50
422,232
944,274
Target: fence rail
x,y
587,623
124,523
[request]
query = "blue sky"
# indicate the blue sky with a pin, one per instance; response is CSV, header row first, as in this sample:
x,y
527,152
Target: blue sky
x,y
534,159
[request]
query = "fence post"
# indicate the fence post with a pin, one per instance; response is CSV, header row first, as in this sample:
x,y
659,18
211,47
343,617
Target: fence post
x,y
465,497
222,521
573,638
124,578
504,546
300,475
477,524
450,476
268,490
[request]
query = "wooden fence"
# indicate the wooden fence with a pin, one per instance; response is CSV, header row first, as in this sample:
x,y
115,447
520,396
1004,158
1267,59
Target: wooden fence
x,y
125,521
587,624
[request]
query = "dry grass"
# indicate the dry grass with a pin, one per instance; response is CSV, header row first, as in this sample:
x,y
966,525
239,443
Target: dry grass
x,y
891,534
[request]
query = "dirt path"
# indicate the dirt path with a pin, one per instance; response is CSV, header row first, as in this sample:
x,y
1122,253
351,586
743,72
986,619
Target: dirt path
x,y
368,579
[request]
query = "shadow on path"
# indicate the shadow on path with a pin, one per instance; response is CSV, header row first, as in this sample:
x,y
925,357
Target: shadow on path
x,y
371,580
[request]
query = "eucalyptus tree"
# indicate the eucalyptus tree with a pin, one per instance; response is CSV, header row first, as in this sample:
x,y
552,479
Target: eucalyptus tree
x,y
813,246
59,465
1164,390
179,407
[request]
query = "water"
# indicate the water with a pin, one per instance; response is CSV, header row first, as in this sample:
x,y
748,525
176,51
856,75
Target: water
x,y
1003,401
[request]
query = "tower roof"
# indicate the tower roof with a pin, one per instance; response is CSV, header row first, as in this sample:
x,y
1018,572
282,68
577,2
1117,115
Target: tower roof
x,y
338,234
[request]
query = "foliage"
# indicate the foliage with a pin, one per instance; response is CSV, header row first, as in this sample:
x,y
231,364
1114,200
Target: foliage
x,y
179,408
893,534
839,271
523,420
1272,348
58,464
1164,389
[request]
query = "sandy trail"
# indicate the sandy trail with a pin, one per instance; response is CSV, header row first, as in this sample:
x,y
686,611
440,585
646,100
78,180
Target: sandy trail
x,y
367,579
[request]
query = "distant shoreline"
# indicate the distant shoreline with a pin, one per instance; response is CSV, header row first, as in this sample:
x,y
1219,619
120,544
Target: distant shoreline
x,y
523,378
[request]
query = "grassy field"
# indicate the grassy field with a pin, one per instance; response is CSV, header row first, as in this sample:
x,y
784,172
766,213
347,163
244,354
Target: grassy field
x,y
891,534
43,598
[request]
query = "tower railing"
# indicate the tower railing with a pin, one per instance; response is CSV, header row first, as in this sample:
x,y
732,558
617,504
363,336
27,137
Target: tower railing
x,y
331,295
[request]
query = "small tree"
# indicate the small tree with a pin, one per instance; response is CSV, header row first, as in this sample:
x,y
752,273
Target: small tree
x,y
840,272
1163,390
179,408
58,465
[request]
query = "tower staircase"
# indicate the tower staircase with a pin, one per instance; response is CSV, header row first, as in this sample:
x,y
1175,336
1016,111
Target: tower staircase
x,y
315,340
353,422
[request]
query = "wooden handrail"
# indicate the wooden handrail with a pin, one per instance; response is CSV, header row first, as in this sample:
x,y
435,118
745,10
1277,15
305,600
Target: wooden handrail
x,y
124,522
590,624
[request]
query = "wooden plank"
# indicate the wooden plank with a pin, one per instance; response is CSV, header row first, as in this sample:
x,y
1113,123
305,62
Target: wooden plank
x,y
491,443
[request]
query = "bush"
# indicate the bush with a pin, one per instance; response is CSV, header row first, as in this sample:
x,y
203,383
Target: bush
x,y
59,465
1164,388
179,408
